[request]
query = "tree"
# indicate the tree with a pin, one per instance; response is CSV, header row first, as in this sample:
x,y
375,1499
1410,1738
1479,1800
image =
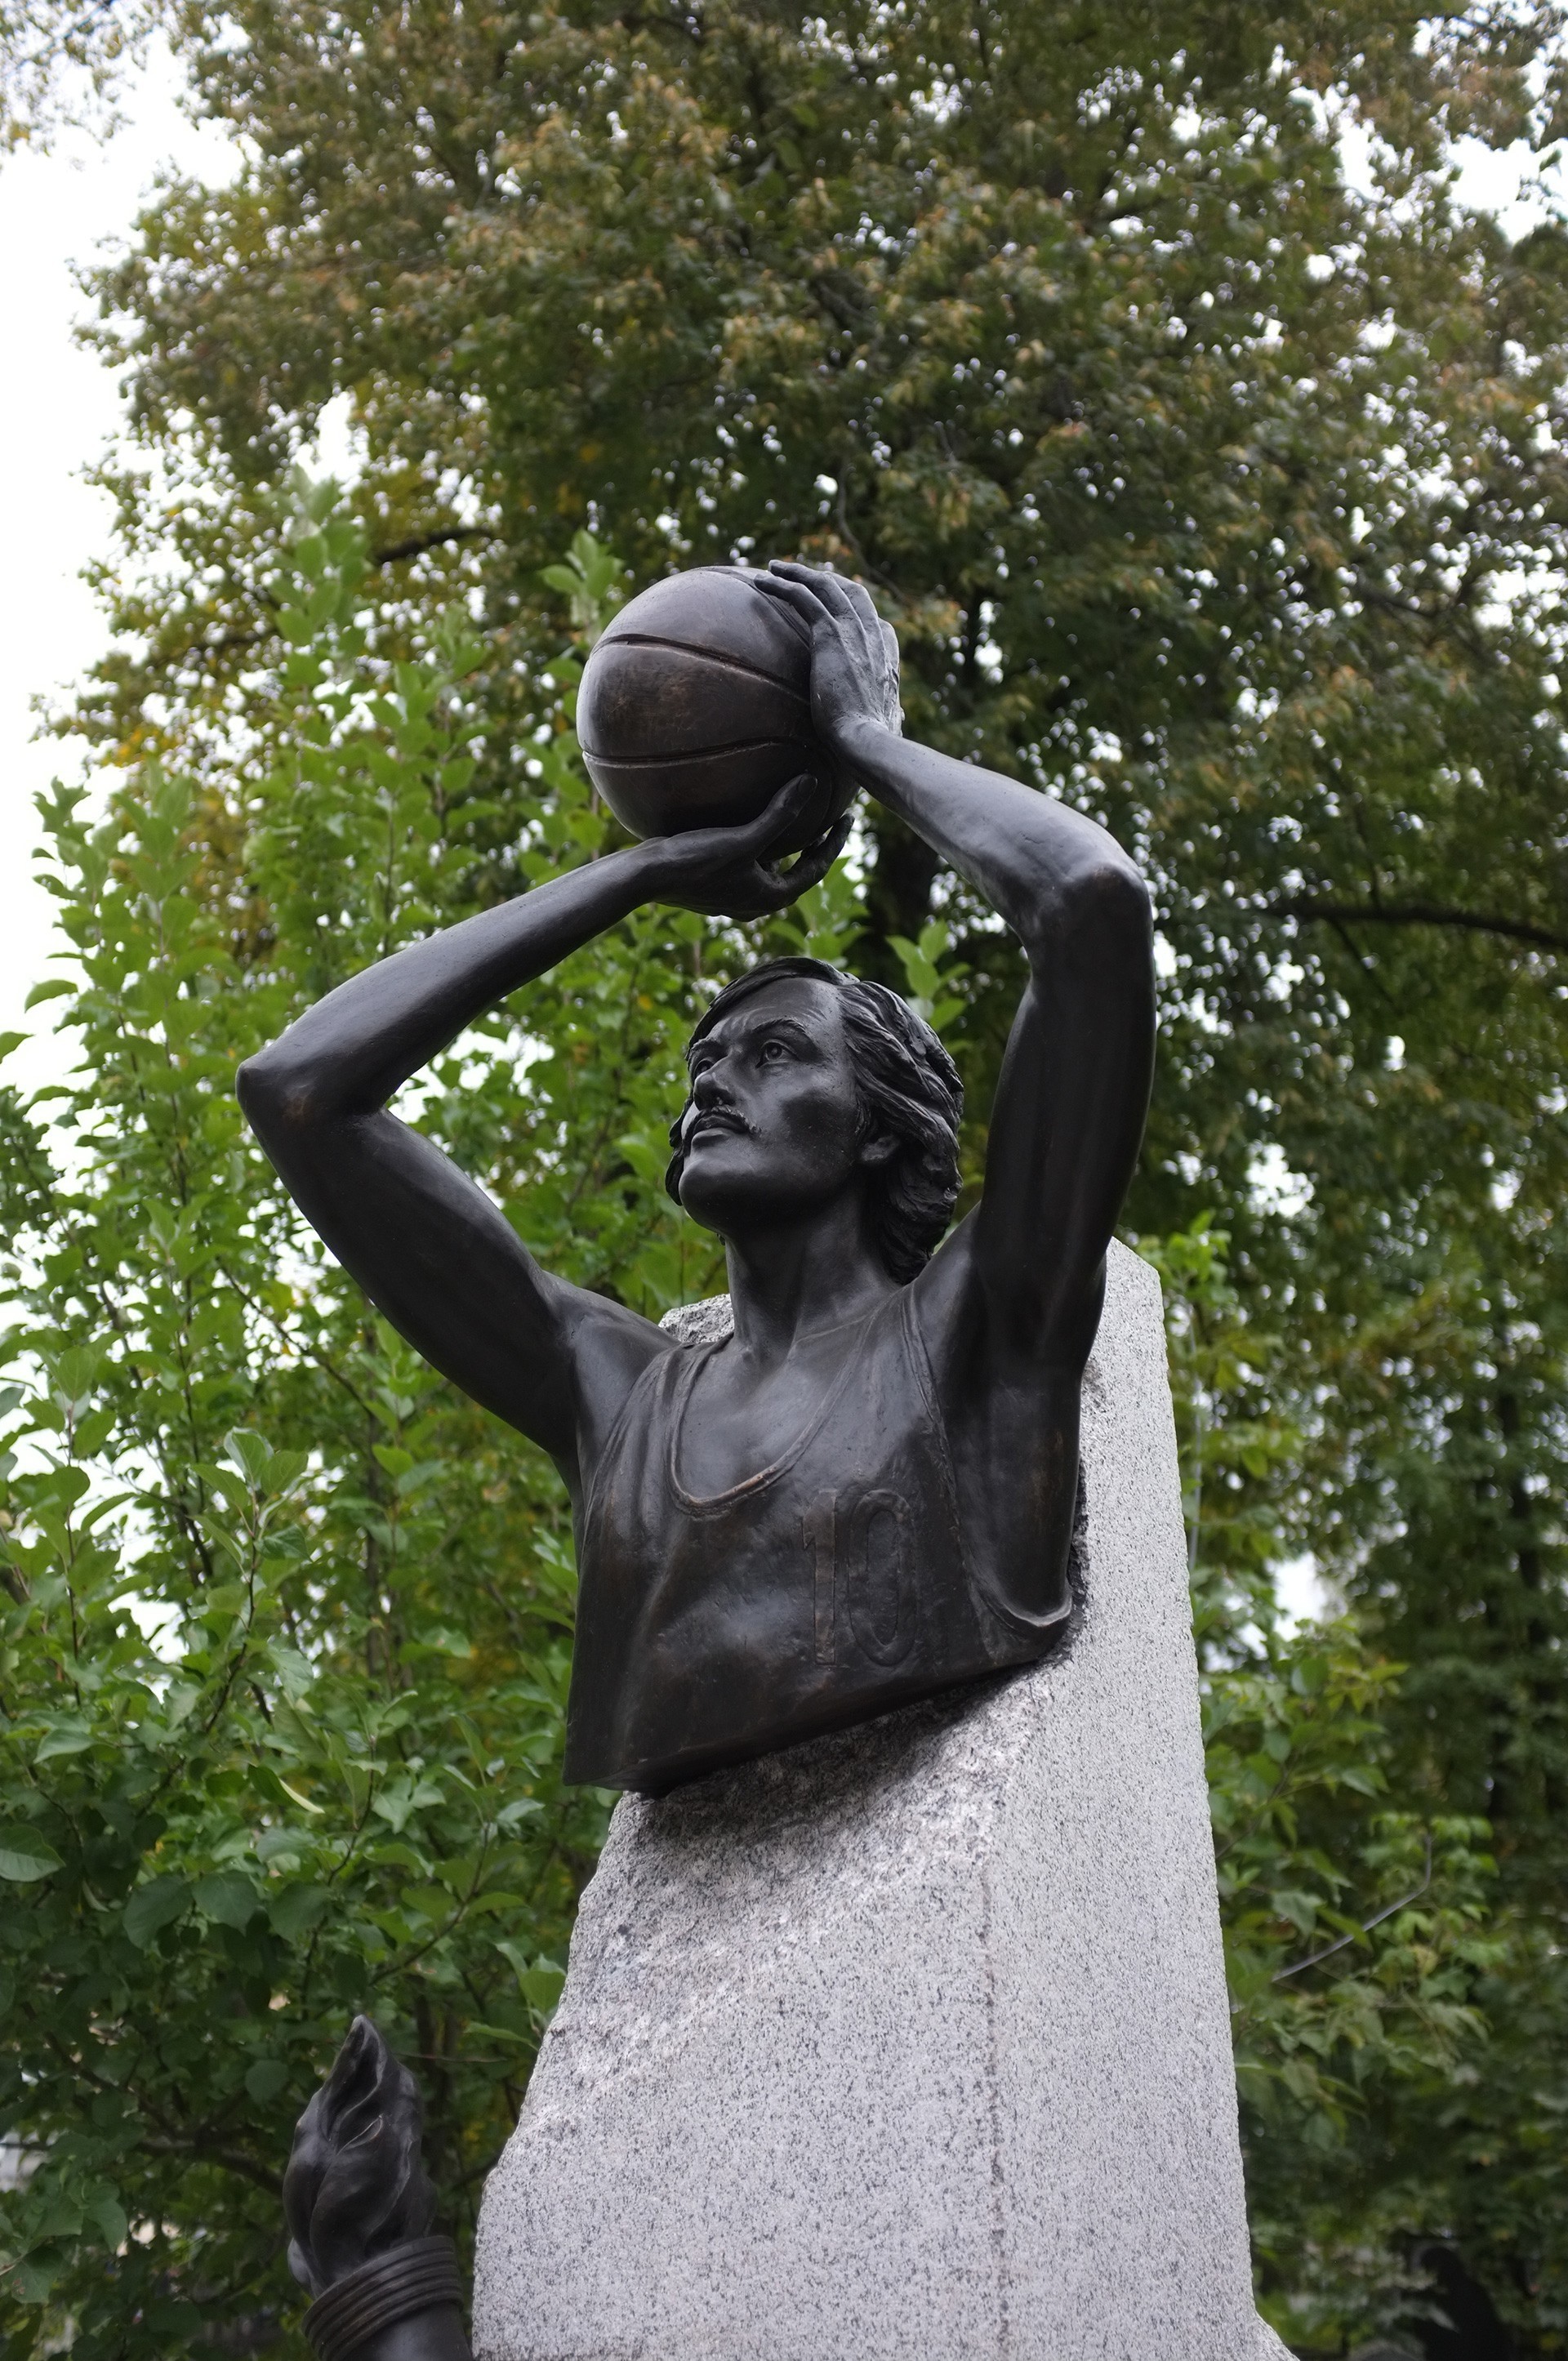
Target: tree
x,y
61,61
287,1640
1360,1947
287,1624
1197,480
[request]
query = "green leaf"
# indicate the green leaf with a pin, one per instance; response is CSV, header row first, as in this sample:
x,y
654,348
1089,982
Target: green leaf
x,y
109,2217
252,1454
542,1984
447,1642
37,2272
228,1899
297,1909
154,1907
296,1673
521,1809
265,2080
66,1737
25,1856
76,1372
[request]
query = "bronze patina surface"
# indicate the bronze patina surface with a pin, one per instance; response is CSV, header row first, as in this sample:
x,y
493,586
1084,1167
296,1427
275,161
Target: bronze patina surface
x,y
866,1493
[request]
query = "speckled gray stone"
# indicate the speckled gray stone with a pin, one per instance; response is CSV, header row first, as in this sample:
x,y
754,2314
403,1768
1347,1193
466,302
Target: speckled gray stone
x,y
701,1323
911,2044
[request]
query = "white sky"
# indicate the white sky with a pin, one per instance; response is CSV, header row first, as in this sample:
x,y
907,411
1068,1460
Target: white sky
x,y
58,409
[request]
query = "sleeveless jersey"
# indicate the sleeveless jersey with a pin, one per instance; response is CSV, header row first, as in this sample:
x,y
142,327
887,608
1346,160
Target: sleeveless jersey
x,y
826,1588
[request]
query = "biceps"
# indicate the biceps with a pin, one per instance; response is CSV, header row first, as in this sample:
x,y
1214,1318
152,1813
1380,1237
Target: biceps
x,y
445,1265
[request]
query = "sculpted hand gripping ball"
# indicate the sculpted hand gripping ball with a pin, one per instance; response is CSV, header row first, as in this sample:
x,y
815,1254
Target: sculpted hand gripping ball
x,y
695,710
867,1492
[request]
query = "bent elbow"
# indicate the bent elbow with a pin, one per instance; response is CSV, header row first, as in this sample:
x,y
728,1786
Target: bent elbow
x,y
1106,902
1114,894
275,1099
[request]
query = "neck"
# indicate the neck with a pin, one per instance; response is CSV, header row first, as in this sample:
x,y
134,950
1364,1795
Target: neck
x,y
794,1277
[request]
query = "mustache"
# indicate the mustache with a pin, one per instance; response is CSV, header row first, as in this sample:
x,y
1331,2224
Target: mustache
x,y
729,1118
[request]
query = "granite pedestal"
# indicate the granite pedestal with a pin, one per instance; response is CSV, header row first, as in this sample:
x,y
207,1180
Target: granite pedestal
x,y
911,2044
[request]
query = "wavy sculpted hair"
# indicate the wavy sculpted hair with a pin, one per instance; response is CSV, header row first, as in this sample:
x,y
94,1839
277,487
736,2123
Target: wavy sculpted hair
x,y
908,1088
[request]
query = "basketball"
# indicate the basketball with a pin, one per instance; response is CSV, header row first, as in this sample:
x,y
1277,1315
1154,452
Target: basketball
x,y
695,710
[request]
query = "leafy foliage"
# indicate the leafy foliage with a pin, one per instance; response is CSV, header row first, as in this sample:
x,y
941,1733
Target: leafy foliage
x,y
61,61
1217,489
1358,1933
287,1627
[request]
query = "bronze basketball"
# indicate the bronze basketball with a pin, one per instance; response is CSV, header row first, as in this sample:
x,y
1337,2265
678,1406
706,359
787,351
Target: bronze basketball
x,y
695,710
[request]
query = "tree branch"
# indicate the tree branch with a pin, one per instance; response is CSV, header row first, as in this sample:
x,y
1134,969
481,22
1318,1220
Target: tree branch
x,y
421,542
1417,914
198,2151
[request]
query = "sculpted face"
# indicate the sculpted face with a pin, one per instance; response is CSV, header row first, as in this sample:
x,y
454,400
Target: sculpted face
x,y
773,1126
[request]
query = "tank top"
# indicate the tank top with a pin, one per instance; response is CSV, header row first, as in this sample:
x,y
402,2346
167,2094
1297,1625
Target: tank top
x,y
826,1588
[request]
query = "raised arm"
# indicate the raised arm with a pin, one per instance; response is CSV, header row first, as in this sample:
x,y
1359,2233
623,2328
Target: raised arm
x,y
1073,1093
426,1244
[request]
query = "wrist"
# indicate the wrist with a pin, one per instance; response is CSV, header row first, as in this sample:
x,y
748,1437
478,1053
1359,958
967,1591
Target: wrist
x,y
632,870
649,868
859,739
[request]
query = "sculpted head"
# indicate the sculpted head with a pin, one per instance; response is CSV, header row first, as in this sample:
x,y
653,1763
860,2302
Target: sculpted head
x,y
804,1084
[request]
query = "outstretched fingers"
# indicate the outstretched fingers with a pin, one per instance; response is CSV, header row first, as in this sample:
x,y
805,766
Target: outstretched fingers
x,y
810,591
829,588
873,631
854,659
818,858
799,597
861,599
777,817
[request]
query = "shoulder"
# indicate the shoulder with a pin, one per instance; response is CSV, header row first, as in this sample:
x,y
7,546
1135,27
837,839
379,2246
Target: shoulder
x,y
610,1346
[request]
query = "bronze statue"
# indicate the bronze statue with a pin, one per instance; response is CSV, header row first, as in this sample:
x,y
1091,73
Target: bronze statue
x,y
360,2210
866,1493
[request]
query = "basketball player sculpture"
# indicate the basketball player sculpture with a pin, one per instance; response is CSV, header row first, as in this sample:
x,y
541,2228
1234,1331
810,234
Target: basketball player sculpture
x,y
865,1494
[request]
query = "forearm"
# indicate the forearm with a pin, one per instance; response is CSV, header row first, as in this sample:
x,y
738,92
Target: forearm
x,y
347,1055
1030,856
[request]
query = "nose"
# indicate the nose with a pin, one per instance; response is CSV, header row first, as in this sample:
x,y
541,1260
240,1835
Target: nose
x,y
708,1091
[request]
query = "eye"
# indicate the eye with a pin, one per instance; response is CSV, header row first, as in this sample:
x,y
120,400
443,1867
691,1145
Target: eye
x,y
771,1052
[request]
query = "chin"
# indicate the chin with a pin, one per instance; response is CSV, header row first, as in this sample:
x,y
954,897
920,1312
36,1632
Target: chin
x,y
727,1176
743,1198
723,1202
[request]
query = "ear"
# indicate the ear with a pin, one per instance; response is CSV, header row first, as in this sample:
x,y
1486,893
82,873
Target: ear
x,y
878,1147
